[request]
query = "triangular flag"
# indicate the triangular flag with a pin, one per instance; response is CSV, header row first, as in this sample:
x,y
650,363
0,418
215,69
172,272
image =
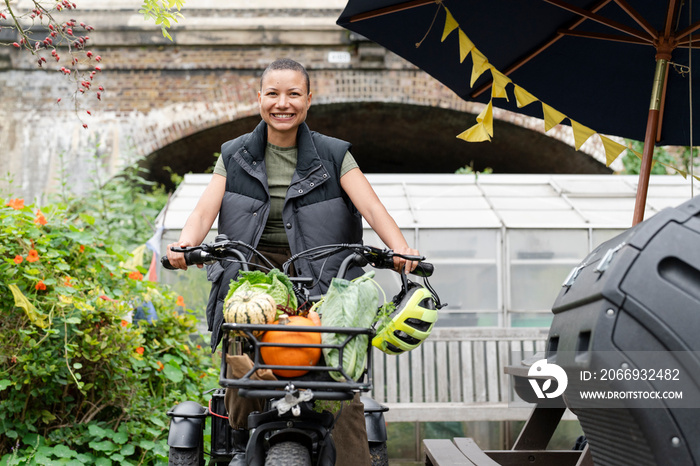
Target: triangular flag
x,y
465,46
522,97
552,117
612,150
498,88
450,25
477,133
480,64
486,117
581,133
683,173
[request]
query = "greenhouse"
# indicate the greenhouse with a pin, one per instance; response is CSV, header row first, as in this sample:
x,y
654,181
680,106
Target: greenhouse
x,y
501,244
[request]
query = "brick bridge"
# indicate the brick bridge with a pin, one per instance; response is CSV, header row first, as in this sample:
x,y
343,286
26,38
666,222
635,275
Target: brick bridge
x,y
174,103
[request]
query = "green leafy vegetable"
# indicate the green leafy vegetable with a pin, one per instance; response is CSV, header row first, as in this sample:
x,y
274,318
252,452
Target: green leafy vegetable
x,y
274,283
348,304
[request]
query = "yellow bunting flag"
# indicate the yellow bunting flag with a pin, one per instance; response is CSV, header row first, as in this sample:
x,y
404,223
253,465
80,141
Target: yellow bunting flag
x,y
465,46
450,25
522,97
36,317
581,133
486,117
612,149
500,81
683,173
552,117
480,64
477,133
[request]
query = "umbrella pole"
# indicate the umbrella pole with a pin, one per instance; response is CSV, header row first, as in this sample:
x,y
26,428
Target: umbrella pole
x,y
650,140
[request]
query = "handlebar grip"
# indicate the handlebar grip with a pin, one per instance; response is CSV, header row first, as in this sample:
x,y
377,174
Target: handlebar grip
x,y
166,263
191,258
424,269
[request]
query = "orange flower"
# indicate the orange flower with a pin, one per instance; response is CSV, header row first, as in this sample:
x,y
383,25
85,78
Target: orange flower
x,y
160,366
66,281
125,323
139,350
41,286
18,259
33,256
82,248
40,219
136,276
16,204
180,301
199,346
202,375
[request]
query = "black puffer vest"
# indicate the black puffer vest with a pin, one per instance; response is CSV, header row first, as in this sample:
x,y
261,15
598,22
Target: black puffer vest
x,y
316,210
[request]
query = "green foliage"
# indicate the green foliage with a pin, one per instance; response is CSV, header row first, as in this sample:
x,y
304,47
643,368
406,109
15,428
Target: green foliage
x,y
469,170
163,12
120,209
79,382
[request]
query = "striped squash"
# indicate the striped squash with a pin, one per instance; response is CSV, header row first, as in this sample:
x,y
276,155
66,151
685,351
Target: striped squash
x,y
250,307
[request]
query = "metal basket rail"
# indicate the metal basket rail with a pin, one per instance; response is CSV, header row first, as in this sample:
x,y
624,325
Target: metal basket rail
x,y
323,389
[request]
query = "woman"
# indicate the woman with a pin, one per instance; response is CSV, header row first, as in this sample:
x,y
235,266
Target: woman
x,y
283,188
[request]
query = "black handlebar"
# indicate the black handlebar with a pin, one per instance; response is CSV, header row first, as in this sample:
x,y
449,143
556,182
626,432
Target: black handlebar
x,y
192,257
378,258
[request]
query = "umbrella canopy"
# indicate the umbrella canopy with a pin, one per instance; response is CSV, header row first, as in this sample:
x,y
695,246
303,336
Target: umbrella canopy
x,y
618,67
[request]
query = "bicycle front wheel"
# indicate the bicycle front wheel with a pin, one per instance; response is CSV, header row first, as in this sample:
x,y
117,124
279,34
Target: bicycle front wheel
x,y
288,454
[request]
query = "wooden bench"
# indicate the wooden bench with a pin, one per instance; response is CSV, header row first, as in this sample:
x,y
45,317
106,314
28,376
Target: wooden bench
x,y
464,451
456,375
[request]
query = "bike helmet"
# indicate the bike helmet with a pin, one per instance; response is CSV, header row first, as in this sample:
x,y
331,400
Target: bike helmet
x,y
410,323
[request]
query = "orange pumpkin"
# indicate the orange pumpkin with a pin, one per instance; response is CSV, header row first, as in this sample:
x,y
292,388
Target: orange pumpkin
x,y
286,356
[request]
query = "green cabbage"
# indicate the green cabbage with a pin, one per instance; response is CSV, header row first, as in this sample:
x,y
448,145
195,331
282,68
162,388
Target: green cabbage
x,y
348,304
274,283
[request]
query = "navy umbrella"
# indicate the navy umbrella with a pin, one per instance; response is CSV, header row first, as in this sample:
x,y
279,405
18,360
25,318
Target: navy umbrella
x,y
620,67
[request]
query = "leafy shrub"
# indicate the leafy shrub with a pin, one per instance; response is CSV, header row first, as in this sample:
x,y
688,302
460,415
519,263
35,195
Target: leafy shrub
x,y
81,383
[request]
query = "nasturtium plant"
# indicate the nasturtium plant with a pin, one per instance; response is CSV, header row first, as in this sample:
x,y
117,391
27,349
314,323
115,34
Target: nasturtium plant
x,y
82,379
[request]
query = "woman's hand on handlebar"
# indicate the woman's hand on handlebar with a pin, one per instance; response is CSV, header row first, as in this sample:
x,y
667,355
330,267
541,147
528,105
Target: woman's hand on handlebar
x,y
401,263
177,259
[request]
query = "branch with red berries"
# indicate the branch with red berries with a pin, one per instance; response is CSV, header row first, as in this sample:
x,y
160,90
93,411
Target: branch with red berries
x,y
43,32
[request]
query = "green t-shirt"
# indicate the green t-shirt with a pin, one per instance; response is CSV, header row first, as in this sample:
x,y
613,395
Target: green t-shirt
x,y
280,163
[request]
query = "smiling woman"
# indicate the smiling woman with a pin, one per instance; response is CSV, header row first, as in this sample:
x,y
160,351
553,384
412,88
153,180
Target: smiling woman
x,y
270,189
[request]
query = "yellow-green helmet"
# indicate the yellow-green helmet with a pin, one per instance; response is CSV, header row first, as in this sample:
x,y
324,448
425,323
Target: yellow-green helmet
x,y
410,324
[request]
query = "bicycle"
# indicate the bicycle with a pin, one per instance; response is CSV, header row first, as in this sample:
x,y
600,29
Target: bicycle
x,y
289,431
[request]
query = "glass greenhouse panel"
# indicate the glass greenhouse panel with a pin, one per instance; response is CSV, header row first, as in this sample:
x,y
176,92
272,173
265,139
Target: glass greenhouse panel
x,y
472,287
543,244
601,236
458,244
531,319
536,286
447,318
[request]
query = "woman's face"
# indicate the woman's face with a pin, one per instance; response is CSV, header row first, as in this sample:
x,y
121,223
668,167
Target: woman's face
x,y
284,100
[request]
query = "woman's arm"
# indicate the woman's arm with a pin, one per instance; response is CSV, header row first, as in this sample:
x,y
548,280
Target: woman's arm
x,y
200,220
357,187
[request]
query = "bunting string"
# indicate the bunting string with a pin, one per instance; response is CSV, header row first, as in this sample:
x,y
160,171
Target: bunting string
x,y
483,129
